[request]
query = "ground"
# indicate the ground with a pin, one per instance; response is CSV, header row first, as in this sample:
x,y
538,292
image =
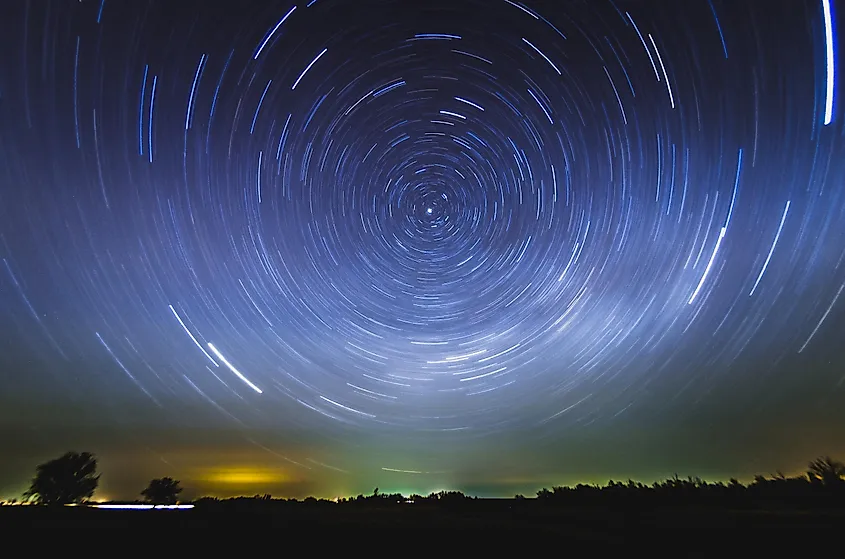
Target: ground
x,y
678,532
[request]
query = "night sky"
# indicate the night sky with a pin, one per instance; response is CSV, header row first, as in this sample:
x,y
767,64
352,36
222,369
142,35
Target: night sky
x,y
321,247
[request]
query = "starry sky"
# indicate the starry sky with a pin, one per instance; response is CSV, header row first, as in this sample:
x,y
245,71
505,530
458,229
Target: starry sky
x,y
315,247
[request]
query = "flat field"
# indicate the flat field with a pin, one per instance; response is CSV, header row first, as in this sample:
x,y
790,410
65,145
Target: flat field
x,y
676,531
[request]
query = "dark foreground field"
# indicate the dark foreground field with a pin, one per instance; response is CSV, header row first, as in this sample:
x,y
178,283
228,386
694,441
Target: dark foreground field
x,y
677,532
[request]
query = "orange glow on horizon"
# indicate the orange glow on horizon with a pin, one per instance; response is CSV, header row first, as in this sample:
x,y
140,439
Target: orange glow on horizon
x,y
243,476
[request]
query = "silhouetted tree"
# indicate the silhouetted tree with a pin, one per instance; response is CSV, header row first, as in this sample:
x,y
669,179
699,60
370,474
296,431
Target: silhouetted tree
x,y
71,478
162,491
826,471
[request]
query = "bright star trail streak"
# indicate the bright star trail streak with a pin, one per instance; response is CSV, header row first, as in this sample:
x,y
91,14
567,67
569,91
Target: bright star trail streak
x,y
707,268
771,250
830,62
310,64
433,235
193,338
272,32
232,368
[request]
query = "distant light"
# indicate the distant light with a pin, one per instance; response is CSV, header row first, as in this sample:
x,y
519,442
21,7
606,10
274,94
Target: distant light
x,y
429,211
143,507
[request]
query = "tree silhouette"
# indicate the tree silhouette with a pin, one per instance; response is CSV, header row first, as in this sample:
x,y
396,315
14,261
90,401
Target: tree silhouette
x,y
163,491
826,470
71,478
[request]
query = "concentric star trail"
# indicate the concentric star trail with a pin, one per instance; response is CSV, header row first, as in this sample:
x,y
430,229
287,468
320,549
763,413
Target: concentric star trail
x,y
392,217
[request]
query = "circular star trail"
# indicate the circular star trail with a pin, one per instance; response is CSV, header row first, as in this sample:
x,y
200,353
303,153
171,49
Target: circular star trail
x,y
393,216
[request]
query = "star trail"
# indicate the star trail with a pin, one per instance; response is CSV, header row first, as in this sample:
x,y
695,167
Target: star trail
x,y
421,227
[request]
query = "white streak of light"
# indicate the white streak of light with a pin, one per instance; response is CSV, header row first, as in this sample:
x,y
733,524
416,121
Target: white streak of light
x,y
191,99
831,64
347,408
302,75
645,46
827,312
514,4
402,471
771,250
273,32
546,58
456,115
231,368
470,103
204,352
662,67
736,187
707,269
476,377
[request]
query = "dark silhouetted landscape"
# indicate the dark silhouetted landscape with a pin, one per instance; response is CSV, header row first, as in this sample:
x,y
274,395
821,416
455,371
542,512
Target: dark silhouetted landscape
x,y
681,516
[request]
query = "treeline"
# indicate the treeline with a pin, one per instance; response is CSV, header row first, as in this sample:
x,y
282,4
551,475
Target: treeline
x,y
823,486
73,479
375,500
